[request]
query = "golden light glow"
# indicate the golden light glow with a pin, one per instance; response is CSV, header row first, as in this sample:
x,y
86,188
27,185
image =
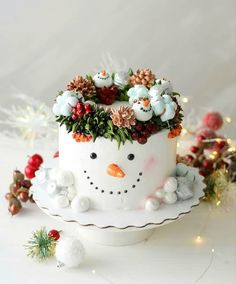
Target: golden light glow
x,y
184,131
212,157
214,152
178,144
229,141
228,119
218,140
198,239
218,203
212,250
185,100
232,149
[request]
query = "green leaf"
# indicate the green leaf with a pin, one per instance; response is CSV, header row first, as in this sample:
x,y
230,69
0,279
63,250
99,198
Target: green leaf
x,y
122,135
130,72
110,124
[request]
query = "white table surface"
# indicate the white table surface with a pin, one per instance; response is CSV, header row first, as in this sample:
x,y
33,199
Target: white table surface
x,y
171,255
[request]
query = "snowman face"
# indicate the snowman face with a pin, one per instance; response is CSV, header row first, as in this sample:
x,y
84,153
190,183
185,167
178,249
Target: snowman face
x,y
102,79
142,109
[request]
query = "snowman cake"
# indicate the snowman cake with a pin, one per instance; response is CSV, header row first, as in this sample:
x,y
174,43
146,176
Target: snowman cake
x,y
117,144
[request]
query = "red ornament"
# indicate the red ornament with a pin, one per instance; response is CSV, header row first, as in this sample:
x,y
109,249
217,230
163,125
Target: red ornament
x,y
54,234
213,120
88,108
56,154
35,161
135,135
30,172
194,149
189,158
207,164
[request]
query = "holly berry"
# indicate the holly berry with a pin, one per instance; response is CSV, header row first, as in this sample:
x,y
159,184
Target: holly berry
x,y
189,158
54,234
74,116
146,133
207,164
213,120
200,138
30,172
202,173
142,140
139,127
23,196
194,149
56,154
88,108
155,129
35,161
135,135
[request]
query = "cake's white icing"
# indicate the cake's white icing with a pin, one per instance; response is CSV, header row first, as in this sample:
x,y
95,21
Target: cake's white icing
x,y
153,162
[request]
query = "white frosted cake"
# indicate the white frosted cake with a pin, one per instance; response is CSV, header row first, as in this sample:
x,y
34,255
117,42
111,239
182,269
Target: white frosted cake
x,y
117,144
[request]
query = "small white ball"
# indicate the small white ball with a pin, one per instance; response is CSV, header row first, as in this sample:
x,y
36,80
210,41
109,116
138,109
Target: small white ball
x,y
60,99
69,252
64,178
160,193
71,192
170,184
80,204
152,204
170,198
181,169
72,101
56,109
65,110
61,201
52,188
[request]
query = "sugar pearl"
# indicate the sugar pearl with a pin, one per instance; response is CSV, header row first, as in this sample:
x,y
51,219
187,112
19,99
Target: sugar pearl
x,y
52,188
71,192
170,184
61,201
64,178
160,193
80,204
152,204
170,198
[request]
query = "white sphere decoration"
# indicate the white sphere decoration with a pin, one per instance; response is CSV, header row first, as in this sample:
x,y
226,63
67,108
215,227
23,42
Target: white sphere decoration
x,y
170,184
69,252
72,101
65,110
71,192
52,188
160,193
56,109
61,201
170,198
181,169
80,204
64,178
152,204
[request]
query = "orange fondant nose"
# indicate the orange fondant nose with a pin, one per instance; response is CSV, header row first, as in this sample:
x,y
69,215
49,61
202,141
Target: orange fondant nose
x,y
104,72
115,171
146,103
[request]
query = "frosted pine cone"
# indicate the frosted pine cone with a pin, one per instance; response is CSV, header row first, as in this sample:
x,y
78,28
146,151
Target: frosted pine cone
x,y
123,117
84,86
143,77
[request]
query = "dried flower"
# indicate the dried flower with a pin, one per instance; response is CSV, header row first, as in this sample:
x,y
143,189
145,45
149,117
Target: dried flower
x,y
123,117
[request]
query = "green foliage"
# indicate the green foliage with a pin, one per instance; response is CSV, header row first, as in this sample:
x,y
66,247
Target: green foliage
x,y
41,246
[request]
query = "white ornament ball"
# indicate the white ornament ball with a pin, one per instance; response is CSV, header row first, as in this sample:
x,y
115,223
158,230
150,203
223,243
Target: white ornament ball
x,y
52,188
69,252
65,110
80,204
56,109
160,193
181,169
170,198
152,204
71,192
64,178
170,184
61,201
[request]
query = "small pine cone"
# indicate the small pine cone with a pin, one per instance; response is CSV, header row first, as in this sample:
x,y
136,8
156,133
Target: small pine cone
x,y
84,86
143,77
123,117
107,95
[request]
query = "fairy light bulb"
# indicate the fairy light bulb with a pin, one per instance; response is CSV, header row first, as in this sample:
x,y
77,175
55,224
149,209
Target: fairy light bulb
x,y
218,203
185,100
198,239
229,141
228,119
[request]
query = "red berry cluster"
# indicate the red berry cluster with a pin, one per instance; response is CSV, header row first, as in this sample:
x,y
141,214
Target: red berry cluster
x,y
34,163
80,110
54,234
142,131
107,95
18,192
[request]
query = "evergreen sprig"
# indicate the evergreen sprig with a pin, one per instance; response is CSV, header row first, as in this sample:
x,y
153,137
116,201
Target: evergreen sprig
x,y
41,246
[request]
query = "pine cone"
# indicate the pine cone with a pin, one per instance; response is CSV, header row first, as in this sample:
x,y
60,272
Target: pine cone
x,y
143,77
123,117
107,95
84,86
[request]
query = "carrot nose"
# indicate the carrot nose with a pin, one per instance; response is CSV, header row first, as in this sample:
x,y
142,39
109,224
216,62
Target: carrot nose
x,y
146,103
104,72
115,171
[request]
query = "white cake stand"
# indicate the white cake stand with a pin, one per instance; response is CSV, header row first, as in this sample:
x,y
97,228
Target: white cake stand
x,y
119,227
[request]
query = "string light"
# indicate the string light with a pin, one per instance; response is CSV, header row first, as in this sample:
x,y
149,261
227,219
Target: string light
x,y
215,153
184,131
232,149
178,144
228,119
218,203
229,141
185,100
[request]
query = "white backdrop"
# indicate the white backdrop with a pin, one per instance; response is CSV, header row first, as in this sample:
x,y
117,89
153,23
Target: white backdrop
x,y
192,43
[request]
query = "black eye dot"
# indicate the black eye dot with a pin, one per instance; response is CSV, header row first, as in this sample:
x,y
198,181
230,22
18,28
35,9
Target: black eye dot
x,y
130,157
93,155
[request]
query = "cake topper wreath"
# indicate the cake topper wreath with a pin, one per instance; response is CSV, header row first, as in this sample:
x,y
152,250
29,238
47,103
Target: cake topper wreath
x,y
90,107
